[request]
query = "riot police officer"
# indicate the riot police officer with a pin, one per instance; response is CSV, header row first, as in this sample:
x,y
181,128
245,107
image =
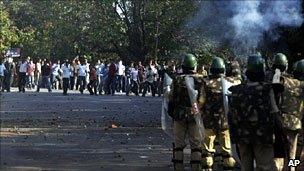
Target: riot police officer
x,y
181,110
214,118
291,103
251,116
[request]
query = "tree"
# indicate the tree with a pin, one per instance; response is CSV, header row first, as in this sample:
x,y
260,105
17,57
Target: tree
x,y
8,32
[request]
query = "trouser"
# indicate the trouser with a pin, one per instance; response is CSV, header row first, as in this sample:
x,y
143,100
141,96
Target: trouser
x,y
92,84
225,146
120,83
22,81
56,82
292,139
66,85
8,80
160,87
134,87
45,82
77,83
30,81
37,77
141,86
279,147
82,83
181,130
1,82
111,84
147,85
72,83
101,84
128,85
261,153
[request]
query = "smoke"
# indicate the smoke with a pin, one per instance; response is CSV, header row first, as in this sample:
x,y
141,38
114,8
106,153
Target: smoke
x,y
244,23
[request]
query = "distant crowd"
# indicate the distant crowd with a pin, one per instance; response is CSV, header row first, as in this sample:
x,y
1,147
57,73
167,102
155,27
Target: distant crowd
x,y
99,78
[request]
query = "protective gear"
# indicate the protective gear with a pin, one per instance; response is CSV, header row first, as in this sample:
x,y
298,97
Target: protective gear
x,y
180,105
252,108
298,71
215,121
189,62
228,161
217,66
292,103
255,68
178,158
165,118
280,62
185,124
254,125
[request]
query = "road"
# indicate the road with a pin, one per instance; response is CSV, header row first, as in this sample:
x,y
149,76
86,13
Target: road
x,y
42,131
49,131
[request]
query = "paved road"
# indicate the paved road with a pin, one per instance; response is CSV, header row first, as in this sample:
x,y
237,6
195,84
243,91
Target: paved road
x,y
42,131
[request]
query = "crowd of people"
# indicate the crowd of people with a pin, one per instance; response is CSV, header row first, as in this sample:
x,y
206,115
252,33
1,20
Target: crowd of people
x,y
98,78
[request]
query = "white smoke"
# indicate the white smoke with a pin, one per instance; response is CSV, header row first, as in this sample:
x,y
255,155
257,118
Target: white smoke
x,y
244,23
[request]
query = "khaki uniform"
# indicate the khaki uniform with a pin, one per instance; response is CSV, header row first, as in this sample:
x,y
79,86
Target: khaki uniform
x,y
216,124
184,123
252,111
291,105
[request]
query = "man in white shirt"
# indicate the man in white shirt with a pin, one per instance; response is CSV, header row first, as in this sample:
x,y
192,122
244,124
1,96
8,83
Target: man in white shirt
x,y
66,74
2,70
55,79
82,74
37,71
22,75
150,81
120,77
101,81
134,80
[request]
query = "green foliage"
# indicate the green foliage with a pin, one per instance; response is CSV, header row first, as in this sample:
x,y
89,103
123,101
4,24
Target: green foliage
x,y
8,32
132,29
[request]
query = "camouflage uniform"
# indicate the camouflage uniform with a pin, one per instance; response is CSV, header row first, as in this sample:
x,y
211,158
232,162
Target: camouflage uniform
x,y
216,124
251,118
184,123
291,104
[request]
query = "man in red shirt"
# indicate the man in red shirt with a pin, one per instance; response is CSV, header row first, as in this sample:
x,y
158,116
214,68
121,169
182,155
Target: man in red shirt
x,y
111,83
93,80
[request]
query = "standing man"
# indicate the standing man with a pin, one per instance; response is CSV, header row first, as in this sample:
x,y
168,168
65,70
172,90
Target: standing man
x,y
215,119
66,74
290,103
73,74
150,81
22,75
93,81
9,74
37,71
2,70
111,81
183,113
31,74
141,75
102,71
82,74
252,111
45,76
56,75
120,77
